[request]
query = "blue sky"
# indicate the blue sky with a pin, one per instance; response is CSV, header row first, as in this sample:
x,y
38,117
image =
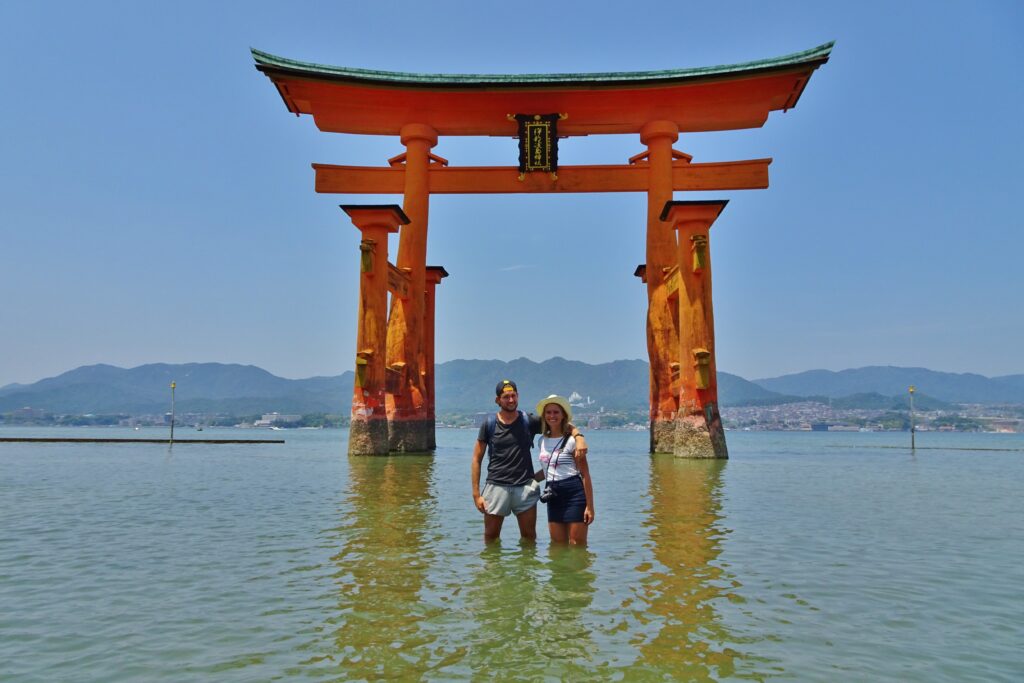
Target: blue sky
x,y
157,200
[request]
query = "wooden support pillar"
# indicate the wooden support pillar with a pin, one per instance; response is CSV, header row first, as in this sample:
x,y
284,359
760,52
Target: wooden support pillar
x,y
662,337
434,276
698,432
368,434
409,427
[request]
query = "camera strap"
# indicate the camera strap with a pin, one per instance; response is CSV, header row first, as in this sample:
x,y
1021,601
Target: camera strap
x,y
557,452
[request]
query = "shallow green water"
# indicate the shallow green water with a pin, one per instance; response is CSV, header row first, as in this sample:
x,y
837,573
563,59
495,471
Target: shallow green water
x,y
804,557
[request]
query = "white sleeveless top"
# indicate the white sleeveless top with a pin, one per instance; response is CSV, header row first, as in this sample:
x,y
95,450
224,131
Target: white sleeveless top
x,y
562,467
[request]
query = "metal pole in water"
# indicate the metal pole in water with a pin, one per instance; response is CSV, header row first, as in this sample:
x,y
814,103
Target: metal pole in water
x,y
172,411
912,390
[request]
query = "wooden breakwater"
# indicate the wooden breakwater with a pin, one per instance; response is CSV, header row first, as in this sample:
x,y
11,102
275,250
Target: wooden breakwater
x,y
72,439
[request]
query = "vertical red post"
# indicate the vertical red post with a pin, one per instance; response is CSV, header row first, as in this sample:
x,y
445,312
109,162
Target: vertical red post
x,y
698,432
410,430
662,337
368,433
434,277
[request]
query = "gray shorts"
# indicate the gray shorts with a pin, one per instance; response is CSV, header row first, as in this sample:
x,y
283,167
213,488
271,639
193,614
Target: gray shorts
x,y
504,500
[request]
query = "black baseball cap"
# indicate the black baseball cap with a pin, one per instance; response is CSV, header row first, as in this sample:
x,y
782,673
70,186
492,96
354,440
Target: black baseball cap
x,y
504,385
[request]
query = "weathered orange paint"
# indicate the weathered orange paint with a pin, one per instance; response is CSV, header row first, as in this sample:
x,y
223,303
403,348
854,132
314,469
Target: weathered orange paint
x,y
410,429
368,434
662,337
725,175
698,424
434,276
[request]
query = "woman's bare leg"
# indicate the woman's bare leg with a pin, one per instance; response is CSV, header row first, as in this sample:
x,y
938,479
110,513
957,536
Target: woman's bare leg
x,y
577,533
559,532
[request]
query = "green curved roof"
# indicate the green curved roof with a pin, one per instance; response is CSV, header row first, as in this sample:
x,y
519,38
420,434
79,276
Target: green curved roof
x,y
268,62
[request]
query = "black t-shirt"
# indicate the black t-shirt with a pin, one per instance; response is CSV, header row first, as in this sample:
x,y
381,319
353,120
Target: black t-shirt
x,y
509,462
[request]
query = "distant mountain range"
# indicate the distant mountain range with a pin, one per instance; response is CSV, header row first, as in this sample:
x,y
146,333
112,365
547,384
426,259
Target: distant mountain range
x,y
464,386
201,388
894,381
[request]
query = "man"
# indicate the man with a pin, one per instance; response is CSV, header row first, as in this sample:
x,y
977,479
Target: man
x,y
512,487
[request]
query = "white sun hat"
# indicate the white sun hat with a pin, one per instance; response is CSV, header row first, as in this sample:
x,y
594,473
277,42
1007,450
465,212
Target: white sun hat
x,y
557,400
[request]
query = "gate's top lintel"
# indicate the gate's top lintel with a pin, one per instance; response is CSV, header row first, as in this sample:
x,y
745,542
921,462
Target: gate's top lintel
x,y
364,101
267,62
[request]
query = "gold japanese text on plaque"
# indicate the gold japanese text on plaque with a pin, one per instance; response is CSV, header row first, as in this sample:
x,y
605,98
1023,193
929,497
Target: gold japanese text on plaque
x,y
538,142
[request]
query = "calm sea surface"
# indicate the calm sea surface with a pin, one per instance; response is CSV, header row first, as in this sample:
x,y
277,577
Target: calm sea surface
x,y
806,556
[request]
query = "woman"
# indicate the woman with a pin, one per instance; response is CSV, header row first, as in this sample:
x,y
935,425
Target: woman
x,y
567,476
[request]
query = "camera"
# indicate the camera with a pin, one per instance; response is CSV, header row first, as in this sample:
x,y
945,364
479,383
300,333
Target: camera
x,y
547,494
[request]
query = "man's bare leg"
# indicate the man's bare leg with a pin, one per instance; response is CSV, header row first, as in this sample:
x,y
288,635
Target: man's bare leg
x,y
492,527
528,524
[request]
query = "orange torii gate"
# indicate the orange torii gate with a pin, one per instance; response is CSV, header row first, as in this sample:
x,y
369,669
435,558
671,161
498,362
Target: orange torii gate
x,y
393,400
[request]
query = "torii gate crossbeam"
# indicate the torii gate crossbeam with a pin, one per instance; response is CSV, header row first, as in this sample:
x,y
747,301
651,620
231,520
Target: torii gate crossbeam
x,y
726,175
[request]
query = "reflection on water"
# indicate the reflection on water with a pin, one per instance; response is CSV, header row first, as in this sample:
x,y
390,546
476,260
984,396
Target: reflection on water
x,y
235,564
528,613
568,648
378,628
681,594
401,612
502,601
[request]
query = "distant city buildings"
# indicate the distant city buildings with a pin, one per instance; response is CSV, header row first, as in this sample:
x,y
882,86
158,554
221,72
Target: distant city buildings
x,y
29,413
270,419
577,401
588,413
815,416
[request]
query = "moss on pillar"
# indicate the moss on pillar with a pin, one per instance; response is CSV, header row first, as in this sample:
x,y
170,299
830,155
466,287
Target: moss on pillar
x,y
411,436
663,436
696,438
368,437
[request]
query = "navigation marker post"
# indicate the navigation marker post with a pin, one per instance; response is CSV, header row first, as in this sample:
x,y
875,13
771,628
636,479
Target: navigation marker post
x,y
172,413
912,390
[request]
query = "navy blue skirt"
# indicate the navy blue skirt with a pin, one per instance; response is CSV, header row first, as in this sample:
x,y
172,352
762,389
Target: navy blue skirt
x,y
569,502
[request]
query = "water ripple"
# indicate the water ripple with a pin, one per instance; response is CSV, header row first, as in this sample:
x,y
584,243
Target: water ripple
x,y
122,563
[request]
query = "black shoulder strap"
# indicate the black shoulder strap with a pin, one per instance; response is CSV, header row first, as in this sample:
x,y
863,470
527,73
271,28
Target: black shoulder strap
x,y
565,440
527,434
557,452
492,423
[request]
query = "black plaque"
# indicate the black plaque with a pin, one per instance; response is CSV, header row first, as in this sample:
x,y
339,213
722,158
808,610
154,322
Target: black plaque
x,y
538,142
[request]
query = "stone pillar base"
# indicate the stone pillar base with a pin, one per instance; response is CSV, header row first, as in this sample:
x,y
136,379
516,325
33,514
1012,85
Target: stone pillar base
x,y
368,437
411,436
695,438
663,436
